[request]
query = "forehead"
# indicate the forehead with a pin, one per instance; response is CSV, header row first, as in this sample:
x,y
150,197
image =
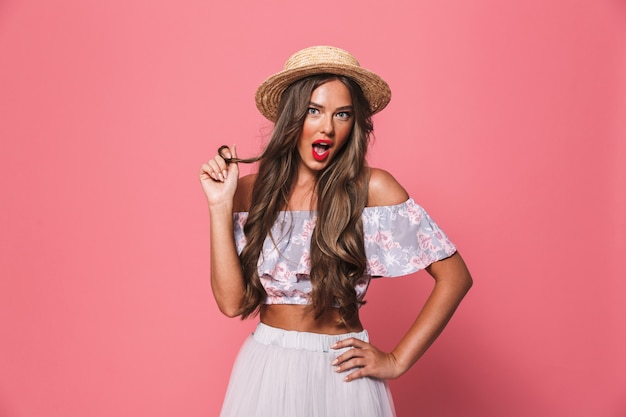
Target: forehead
x,y
332,93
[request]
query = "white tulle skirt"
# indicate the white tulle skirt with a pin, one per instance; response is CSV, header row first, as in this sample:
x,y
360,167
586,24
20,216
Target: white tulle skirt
x,y
281,373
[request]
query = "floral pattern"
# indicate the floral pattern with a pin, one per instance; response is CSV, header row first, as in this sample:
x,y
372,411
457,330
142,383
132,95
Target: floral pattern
x,y
399,240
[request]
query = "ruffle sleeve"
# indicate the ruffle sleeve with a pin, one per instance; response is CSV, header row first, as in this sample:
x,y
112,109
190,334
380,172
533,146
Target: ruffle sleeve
x,y
402,239
239,221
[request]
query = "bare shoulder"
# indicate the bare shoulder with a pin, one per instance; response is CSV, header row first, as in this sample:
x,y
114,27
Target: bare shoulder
x,y
243,195
384,189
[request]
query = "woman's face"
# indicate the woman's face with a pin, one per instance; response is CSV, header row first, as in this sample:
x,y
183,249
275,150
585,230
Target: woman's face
x,y
327,126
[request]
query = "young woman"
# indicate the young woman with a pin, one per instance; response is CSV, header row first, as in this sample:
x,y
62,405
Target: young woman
x,y
298,243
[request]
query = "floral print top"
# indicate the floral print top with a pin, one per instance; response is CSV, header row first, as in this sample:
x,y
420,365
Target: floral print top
x,y
399,240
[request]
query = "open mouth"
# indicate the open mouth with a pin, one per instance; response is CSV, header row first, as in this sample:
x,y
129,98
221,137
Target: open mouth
x,y
321,149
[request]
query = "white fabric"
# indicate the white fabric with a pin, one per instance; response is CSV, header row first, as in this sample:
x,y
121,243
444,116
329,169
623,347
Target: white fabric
x,y
281,373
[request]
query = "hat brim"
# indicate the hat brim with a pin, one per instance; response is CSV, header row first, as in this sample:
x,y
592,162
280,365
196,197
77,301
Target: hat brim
x,y
375,89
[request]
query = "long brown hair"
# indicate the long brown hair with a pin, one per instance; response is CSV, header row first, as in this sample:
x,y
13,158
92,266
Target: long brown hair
x,y
337,247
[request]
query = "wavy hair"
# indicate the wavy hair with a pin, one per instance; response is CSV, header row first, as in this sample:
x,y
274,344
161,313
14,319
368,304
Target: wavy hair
x,y
337,248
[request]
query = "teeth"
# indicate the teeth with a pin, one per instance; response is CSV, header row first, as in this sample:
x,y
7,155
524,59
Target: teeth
x,y
320,148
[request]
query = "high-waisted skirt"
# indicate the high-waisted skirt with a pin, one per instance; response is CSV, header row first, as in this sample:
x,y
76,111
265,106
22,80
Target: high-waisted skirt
x,y
281,373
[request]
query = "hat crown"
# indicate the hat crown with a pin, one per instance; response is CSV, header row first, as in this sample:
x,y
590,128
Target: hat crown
x,y
321,60
317,55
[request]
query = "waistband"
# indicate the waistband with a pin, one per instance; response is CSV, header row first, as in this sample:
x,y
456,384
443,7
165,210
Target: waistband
x,y
315,342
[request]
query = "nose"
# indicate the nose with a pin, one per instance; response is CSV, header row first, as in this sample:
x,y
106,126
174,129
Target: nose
x,y
327,125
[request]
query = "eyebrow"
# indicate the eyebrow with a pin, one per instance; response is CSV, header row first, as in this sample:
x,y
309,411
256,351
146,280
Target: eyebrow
x,y
342,108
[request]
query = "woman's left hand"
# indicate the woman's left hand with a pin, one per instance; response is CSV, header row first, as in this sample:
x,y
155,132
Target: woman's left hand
x,y
367,359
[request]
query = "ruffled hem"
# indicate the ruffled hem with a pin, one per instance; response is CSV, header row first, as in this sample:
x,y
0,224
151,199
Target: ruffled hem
x,y
399,240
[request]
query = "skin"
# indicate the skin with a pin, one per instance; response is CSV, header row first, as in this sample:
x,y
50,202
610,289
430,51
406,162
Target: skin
x,y
330,118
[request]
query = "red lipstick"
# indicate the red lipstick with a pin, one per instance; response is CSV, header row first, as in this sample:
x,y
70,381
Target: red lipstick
x,y
321,149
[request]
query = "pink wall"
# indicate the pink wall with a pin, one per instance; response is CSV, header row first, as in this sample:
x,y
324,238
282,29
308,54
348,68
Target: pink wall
x,y
507,123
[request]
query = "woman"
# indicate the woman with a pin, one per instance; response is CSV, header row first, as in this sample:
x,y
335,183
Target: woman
x,y
310,229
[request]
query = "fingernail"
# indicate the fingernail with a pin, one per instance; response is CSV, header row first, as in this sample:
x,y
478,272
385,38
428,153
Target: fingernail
x,y
335,362
225,173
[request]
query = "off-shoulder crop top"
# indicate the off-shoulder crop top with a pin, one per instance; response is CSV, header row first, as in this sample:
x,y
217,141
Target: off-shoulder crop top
x,y
399,240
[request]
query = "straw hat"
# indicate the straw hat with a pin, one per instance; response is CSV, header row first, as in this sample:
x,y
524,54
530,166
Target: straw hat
x,y
321,60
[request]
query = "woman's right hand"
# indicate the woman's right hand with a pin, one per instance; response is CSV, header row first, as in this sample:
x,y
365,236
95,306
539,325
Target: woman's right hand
x,y
219,179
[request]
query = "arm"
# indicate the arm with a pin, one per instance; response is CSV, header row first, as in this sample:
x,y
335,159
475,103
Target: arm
x,y
219,182
452,281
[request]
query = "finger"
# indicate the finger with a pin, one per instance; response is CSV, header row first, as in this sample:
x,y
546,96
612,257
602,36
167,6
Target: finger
x,y
356,362
232,165
215,168
349,342
222,167
351,354
357,368
224,152
218,166
207,172
359,373
227,153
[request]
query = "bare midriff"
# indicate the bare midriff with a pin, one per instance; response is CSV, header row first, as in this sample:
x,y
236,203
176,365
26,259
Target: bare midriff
x,y
299,318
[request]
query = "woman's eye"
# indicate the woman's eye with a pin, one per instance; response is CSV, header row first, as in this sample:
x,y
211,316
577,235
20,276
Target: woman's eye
x,y
312,110
344,115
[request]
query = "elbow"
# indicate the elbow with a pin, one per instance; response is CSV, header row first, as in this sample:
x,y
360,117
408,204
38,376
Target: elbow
x,y
469,282
230,311
464,279
229,306
228,300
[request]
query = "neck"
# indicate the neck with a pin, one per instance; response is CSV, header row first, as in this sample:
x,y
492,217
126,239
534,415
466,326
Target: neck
x,y
303,196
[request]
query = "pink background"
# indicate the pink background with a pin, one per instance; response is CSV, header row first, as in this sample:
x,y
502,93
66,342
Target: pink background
x,y
508,123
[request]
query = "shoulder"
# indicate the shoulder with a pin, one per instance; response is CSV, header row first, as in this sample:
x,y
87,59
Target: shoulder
x,y
384,189
243,195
